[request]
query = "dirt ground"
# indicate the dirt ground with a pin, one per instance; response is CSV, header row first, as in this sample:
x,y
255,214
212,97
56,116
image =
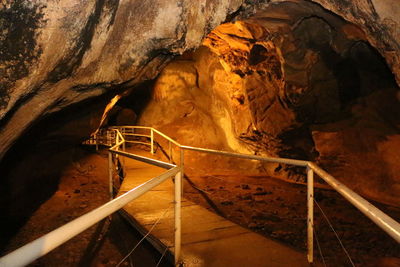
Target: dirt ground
x,y
84,187
266,205
277,209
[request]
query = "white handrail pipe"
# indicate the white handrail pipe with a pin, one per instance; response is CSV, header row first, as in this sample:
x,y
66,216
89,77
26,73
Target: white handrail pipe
x,y
310,215
152,140
43,245
301,163
178,219
387,224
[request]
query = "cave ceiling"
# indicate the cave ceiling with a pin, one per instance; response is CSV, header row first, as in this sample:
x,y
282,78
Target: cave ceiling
x,y
59,53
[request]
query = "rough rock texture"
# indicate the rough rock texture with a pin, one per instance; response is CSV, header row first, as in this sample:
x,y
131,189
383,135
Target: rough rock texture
x,y
57,53
379,20
60,64
293,81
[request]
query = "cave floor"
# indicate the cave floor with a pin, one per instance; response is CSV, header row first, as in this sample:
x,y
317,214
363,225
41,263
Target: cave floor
x,y
83,187
277,209
265,205
207,238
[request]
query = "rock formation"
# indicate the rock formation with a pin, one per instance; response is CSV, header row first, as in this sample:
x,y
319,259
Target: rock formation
x,y
61,60
292,81
55,54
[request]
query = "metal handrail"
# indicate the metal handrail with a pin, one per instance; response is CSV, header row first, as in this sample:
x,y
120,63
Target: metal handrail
x,y
301,163
382,220
151,161
167,137
149,128
48,242
140,135
43,245
120,140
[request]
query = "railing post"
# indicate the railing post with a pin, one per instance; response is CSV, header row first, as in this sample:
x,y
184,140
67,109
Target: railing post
x,y
177,202
123,149
116,142
182,164
310,214
152,140
124,136
116,139
170,151
110,175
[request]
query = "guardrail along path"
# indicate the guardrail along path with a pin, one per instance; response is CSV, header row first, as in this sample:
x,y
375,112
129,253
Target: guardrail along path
x,y
207,239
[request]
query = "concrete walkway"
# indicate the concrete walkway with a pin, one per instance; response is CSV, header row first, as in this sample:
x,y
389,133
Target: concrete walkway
x,y
207,239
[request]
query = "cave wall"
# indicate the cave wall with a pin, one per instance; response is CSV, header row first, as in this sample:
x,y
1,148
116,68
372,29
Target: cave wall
x,y
379,20
31,169
290,82
60,64
57,53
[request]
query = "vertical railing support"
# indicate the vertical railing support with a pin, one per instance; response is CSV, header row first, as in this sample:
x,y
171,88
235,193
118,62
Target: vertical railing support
x,y
178,230
116,142
110,175
170,151
182,165
116,139
152,140
123,148
310,215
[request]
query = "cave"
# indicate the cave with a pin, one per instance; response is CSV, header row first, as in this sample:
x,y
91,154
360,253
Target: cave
x,y
311,80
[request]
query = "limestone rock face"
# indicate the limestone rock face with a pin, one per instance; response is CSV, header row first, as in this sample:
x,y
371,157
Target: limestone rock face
x,y
380,21
61,62
54,54
288,82
57,53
